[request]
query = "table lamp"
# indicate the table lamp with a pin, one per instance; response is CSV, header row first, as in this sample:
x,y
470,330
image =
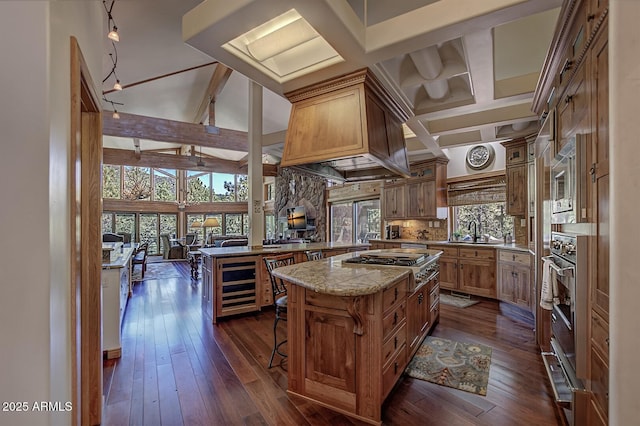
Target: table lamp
x,y
209,222
196,224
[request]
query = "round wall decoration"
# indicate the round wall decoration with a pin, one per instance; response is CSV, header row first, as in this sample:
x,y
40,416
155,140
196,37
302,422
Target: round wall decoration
x,y
480,156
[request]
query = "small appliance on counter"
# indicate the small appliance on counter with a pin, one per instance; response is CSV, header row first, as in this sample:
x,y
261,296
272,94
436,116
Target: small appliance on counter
x,y
394,232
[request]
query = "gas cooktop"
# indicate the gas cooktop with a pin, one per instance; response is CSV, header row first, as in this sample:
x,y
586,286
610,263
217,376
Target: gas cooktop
x,y
389,259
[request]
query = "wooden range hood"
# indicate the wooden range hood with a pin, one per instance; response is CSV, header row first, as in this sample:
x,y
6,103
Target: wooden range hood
x,y
349,125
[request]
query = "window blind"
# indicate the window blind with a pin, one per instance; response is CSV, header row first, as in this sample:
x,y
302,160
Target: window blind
x,y
478,191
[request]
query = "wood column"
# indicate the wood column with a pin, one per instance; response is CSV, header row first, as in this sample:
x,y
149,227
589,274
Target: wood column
x,y
256,212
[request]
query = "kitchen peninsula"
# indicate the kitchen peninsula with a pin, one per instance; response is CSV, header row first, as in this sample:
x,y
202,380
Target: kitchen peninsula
x,y
235,279
353,327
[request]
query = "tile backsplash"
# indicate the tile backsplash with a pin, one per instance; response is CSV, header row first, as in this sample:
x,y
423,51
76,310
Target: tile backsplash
x,y
432,229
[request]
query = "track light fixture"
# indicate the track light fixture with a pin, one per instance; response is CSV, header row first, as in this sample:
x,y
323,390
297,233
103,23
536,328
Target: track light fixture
x,y
111,24
113,36
113,104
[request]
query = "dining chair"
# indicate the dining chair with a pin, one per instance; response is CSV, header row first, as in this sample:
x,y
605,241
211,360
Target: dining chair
x,y
313,255
279,292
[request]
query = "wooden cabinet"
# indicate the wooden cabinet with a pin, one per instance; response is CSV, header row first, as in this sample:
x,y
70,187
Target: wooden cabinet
x,y
237,286
116,284
417,197
470,270
516,173
448,266
514,278
351,351
578,66
421,198
207,285
393,201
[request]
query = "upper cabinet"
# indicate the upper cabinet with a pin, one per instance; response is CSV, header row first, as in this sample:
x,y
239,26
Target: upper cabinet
x,y
517,171
419,196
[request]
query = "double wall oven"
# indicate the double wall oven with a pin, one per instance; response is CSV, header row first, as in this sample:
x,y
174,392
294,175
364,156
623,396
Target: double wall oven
x,y
566,363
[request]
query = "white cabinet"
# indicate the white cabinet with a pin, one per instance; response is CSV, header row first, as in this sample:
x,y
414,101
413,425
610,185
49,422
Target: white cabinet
x,y
116,283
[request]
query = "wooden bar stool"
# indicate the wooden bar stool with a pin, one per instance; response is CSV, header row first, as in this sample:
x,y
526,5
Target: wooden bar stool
x,y
279,291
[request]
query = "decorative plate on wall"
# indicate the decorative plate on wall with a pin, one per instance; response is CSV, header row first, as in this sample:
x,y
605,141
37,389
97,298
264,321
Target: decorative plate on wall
x,y
480,156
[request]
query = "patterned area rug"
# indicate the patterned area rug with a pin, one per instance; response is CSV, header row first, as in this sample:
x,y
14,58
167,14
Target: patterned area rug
x,y
457,365
459,302
156,271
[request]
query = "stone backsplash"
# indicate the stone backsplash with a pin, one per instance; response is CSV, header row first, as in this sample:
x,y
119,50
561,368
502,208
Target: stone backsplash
x,y
415,229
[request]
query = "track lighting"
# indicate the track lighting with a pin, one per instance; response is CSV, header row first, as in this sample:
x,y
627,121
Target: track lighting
x,y
117,86
115,114
113,34
111,24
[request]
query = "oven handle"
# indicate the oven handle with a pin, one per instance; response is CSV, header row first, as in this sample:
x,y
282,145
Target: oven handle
x,y
568,271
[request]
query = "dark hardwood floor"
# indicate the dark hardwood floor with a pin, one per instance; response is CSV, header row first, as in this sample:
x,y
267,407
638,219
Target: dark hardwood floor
x,y
178,369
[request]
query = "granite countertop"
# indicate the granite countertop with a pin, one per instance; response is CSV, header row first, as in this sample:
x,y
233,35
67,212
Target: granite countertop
x,y
499,245
331,276
276,248
121,260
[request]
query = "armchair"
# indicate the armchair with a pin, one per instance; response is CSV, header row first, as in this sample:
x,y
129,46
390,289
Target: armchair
x,y
169,250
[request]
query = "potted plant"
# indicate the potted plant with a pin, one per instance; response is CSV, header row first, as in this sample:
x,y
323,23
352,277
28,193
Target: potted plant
x,y
456,236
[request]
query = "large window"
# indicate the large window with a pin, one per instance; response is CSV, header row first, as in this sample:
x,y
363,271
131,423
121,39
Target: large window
x,y
490,219
216,187
356,222
139,183
149,226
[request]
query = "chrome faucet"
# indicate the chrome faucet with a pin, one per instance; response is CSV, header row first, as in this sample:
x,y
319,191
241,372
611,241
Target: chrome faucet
x,y
475,230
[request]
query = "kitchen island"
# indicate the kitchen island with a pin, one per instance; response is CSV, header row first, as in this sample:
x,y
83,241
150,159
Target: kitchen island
x,y
235,279
353,328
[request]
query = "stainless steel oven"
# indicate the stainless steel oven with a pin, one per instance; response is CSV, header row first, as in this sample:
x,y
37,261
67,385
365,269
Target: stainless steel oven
x,y
566,364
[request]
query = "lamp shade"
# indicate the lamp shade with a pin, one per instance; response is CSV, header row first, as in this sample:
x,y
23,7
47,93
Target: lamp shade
x,y
196,224
211,221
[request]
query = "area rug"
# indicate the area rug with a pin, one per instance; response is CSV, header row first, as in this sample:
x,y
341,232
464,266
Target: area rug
x,y
156,271
463,366
459,302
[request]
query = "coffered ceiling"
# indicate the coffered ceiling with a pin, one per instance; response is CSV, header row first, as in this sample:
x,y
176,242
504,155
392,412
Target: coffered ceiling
x,y
463,70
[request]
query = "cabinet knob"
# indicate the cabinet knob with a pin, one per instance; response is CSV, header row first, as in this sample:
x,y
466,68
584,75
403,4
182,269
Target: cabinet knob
x,y
591,17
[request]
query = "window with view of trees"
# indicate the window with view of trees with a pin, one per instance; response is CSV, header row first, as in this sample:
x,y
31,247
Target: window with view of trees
x,y
165,184
111,181
137,183
217,187
490,220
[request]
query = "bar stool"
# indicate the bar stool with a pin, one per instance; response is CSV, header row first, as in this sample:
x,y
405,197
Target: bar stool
x,y
313,255
279,292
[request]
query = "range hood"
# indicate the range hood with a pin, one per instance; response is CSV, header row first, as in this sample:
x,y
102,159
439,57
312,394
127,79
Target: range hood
x,y
349,124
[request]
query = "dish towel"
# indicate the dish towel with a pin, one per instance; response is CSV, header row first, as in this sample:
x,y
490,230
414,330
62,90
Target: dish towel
x,y
549,289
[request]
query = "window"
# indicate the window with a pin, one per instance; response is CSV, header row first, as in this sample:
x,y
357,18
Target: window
x,y
198,186
270,225
233,223
111,181
355,221
165,185
481,201
490,220
137,183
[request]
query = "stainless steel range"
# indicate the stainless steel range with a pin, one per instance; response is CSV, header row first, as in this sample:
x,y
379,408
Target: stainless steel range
x,y
424,265
567,363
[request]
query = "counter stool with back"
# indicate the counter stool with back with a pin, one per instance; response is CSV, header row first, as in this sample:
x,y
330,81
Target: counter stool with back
x,y
279,291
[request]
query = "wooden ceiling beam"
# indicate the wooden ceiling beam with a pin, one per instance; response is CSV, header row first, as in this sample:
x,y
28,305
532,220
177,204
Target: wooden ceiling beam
x,y
216,84
163,130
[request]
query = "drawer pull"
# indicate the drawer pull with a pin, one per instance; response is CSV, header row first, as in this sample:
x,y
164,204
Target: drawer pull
x,y
395,342
395,293
395,318
395,370
607,341
568,99
591,17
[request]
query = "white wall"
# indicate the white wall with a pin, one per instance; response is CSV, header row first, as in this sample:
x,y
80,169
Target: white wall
x,y
458,167
34,265
624,85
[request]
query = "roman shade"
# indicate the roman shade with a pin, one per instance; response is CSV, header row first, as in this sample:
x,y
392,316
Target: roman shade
x,y
478,191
